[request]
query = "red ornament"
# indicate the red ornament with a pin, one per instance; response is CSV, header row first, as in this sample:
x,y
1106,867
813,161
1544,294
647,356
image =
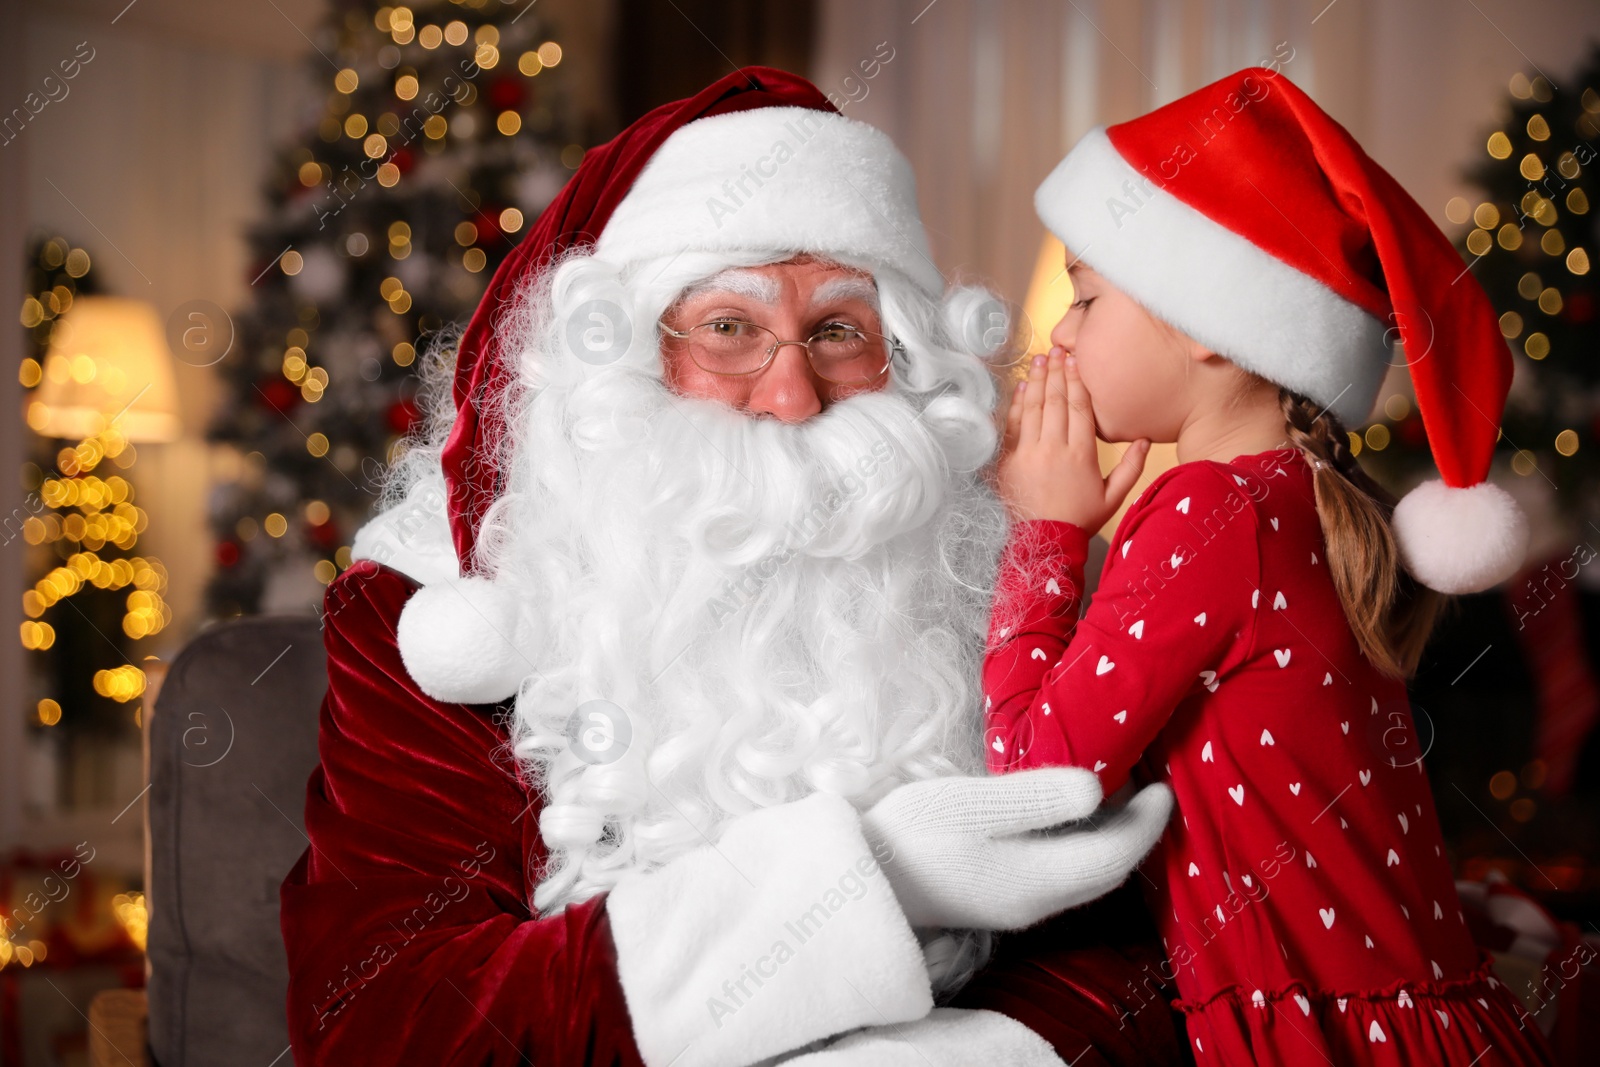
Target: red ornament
x,y
1580,308
403,159
322,534
506,94
278,394
1412,433
487,220
227,553
403,415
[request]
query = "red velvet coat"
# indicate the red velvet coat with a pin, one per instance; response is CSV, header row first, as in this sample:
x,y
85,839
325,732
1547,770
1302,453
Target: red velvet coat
x,y
406,920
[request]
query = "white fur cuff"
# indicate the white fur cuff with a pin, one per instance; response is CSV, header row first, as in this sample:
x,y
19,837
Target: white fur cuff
x,y
948,1037
783,932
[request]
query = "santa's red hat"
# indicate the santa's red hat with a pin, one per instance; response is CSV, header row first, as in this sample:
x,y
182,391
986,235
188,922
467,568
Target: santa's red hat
x,y
758,161
1245,216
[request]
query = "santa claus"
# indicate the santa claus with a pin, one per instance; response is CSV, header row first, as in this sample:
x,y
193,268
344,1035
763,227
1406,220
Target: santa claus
x,y
653,728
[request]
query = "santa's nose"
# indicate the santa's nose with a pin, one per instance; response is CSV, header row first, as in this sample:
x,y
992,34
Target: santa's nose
x,y
787,389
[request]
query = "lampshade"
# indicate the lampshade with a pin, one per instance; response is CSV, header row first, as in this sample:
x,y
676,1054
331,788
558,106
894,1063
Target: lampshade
x,y
108,361
1049,294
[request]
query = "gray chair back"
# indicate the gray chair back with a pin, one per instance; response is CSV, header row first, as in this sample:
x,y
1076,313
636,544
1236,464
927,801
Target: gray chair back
x,y
233,740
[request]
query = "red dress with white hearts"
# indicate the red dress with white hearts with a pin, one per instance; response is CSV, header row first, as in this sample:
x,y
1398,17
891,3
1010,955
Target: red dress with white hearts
x,y
1306,906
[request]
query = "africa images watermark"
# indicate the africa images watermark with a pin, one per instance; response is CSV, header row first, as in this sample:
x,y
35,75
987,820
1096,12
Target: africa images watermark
x,y
355,977
850,886
736,191
1212,127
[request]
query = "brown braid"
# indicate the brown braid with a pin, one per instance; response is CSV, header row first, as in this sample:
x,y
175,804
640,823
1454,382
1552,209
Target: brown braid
x,y
1390,613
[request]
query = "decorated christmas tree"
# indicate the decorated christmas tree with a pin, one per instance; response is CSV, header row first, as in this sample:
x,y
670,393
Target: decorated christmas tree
x,y
1531,243
92,594
1510,687
440,137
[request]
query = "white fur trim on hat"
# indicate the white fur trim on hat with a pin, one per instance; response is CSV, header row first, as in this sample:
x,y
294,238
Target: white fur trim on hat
x,y
457,639
1235,298
776,178
1460,540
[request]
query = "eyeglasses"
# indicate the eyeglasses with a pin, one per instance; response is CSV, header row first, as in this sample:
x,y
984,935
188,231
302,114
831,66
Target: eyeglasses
x,y
839,353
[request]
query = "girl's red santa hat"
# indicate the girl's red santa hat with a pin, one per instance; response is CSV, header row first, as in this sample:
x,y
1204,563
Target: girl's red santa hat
x,y
757,161
1245,216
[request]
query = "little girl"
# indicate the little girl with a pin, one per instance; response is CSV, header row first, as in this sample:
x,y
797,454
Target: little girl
x,y
1237,262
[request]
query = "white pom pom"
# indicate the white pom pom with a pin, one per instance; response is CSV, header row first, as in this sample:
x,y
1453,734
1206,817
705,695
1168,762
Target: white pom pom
x,y
1460,540
457,638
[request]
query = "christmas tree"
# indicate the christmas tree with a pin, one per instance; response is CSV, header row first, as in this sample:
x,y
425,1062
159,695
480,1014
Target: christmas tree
x,y
441,136
1531,243
1509,684
92,594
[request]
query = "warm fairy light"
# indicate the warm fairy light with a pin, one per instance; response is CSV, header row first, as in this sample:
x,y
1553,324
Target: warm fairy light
x,y
1532,167
1511,324
1499,145
404,354
508,123
1537,346
405,86
275,525
529,63
1550,301
1502,785
550,53
488,33
325,571
473,259
37,636
388,175
436,127
1538,128
511,220
134,916
1578,261
1479,242
355,127
1510,237
317,445
346,81
48,712
317,512
429,37
1567,442
1377,436
486,56
291,262
121,684
375,146
1486,216
1578,202
1397,407
466,233
1529,286
1523,462
455,32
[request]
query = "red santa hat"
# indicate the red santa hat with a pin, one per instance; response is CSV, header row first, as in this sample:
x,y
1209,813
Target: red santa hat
x,y
1245,216
758,161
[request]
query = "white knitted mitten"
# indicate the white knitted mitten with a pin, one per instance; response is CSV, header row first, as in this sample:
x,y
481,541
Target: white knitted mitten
x,y
966,852
945,1037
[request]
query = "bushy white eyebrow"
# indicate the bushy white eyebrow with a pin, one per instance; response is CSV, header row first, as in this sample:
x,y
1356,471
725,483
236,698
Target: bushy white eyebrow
x,y
745,283
846,288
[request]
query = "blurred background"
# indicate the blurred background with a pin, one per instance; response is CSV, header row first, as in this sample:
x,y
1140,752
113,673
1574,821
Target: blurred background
x,y
226,230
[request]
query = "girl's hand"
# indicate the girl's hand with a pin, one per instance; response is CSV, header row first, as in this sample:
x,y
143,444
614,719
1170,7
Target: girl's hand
x,y
1049,465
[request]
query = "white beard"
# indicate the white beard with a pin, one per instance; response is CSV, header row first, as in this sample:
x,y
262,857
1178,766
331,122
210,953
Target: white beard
x,y
768,610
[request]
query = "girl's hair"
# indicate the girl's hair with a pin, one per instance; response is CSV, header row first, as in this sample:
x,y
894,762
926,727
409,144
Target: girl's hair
x,y
1390,612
